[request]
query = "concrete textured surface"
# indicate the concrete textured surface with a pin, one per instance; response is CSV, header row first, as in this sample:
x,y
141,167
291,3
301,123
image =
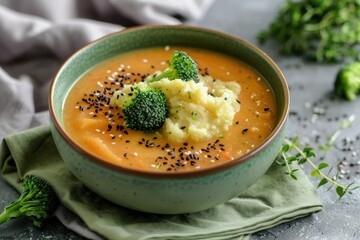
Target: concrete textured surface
x,y
315,113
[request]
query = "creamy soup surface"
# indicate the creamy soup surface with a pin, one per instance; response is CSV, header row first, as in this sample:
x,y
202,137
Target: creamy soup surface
x,y
99,127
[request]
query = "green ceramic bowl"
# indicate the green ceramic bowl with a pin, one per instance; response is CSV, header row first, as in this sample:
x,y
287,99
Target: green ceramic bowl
x,y
175,192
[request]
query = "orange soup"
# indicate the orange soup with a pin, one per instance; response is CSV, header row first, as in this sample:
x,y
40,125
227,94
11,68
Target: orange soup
x,y
99,127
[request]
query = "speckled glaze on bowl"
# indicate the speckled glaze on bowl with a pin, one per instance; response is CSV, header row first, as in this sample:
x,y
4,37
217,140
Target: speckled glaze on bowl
x,y
166,193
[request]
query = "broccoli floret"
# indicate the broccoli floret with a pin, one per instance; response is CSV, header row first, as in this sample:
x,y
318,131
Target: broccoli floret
x,y
37,201
181,66
145,109
347,83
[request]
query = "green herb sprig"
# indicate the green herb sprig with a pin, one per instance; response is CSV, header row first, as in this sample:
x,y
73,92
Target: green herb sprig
x,y
320,30
330,140
291,152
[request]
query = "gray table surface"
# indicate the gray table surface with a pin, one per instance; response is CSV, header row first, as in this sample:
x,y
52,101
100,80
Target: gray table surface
x,y
311,93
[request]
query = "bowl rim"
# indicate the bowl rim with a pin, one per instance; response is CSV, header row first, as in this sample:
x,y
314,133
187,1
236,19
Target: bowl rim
x,y
179,174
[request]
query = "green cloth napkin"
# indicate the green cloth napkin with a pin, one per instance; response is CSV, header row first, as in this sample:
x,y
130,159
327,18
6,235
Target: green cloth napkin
x,y
273,199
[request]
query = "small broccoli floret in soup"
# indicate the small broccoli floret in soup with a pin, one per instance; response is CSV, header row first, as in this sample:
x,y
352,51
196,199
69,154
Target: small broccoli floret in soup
x,y
143,108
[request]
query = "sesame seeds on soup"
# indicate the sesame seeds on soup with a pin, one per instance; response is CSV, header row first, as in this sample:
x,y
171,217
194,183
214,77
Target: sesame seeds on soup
x,y
99,127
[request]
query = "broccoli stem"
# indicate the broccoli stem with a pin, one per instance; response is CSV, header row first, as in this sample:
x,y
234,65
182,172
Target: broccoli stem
x,y
11,211
165,74
18,207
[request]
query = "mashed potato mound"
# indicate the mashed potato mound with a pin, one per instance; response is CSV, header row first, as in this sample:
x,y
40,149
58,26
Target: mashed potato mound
x,y
197,111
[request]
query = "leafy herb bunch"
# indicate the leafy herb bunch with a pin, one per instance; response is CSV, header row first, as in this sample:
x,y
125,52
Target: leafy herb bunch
x,y
320,30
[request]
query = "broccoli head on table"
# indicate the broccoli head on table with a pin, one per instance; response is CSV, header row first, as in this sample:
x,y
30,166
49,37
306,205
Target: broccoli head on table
x,y
347,83
37,201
